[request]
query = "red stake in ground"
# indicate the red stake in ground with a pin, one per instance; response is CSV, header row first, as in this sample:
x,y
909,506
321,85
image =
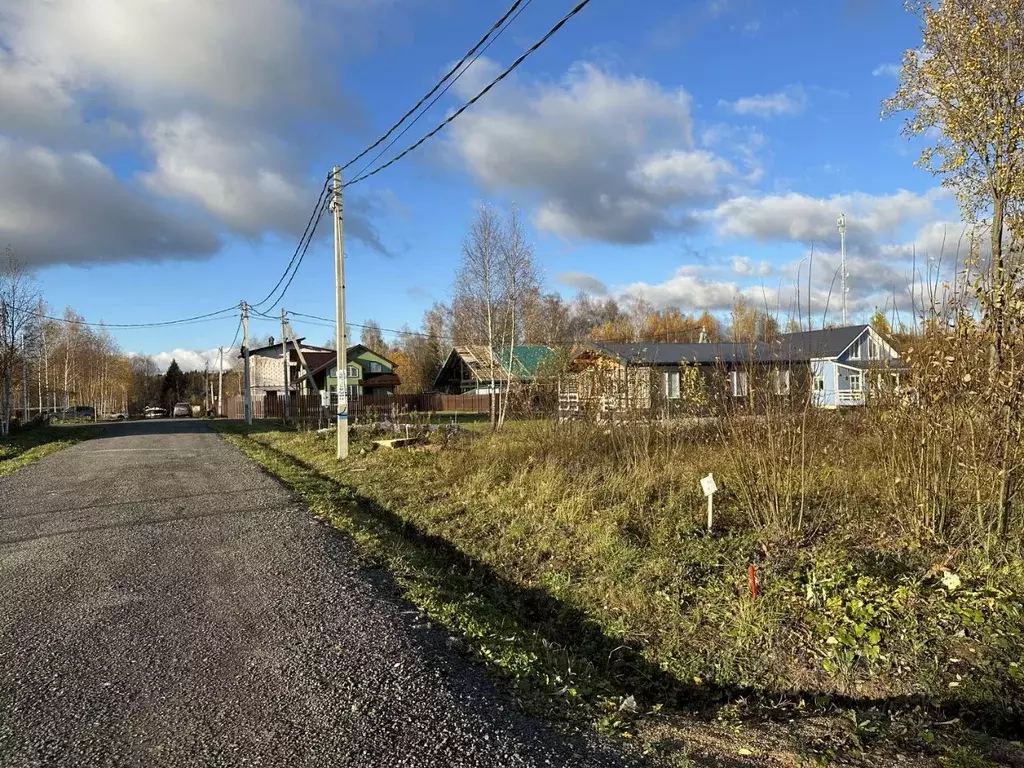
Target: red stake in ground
x,y
752,573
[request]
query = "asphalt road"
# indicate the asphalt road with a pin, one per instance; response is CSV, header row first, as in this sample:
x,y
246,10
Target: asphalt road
x,y
165,603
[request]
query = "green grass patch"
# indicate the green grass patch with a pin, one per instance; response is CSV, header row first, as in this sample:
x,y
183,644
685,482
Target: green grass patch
x,y
578,569
31,445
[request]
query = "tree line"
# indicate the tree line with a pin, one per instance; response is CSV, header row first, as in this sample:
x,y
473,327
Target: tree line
x,y
497,301
49,363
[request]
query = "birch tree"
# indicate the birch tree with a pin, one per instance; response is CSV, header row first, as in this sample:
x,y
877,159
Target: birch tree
x,y
478,288
963,93
18,295
519,282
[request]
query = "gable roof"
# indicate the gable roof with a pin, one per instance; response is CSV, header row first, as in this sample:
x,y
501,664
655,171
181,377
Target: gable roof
x,y
330,359
656,353
277,345
826,342
527,360
317,360
799,347
352,351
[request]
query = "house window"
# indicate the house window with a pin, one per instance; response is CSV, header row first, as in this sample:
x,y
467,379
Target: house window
x,y
353,372
376,368
855,382
670,385
819,383
874,351
855,350
780,382
739,383
353,391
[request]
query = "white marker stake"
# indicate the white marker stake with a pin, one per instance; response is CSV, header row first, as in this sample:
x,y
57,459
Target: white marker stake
x,y
707,484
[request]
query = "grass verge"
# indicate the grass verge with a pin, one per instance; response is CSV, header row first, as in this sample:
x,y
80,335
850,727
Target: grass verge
x,y
31,445
598,598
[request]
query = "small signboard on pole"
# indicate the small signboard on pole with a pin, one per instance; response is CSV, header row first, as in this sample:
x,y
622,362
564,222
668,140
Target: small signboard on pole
x,y
709,487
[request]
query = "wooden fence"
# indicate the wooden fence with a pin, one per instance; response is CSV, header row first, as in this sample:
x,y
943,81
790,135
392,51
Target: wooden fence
x,y
309,408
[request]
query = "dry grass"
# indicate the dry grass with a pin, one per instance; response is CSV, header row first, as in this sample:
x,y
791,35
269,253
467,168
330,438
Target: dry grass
x,y
584,548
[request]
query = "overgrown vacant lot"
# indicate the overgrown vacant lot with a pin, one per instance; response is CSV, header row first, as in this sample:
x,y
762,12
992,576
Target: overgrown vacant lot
x,y
575,561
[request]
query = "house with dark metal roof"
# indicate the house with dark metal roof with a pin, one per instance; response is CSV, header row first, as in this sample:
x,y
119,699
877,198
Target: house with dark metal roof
x,y
835,364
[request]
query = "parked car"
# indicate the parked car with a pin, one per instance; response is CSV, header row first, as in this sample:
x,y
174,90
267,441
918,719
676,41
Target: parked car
x,y
75,412
154,412
182,409
116,416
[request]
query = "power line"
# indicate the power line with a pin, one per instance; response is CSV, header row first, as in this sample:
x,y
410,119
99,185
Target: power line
x,y
301,256
238,330
445,90
306,232
526,54
499,23
127,326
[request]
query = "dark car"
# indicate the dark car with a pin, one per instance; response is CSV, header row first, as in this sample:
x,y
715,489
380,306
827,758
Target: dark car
x,y
77,412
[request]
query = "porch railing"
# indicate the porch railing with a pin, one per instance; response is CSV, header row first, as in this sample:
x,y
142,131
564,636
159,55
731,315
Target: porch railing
x,y
850,396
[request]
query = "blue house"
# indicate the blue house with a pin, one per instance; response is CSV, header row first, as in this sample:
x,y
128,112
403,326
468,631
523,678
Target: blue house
x,y
839,367
846,363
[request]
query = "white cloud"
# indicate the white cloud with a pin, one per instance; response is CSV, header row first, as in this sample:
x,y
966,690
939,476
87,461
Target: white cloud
x,y
886,70
231,170
583,282
690,292
606,157
150,52
195,360
213,93
742,265
69,207
791,100
796,217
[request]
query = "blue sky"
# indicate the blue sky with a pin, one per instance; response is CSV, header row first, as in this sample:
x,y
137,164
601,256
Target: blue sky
x,y
158,160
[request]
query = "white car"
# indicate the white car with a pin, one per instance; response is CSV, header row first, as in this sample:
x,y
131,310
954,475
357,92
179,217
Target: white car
x,y
153,412
182,409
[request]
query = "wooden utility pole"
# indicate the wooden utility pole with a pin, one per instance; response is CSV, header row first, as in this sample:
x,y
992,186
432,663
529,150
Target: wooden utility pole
x,y
287,368
342,342
245,363
220,383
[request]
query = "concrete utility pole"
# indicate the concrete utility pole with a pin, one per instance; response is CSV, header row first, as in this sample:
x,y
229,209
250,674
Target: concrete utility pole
x,y
287,371
339,334
245,363
841,223
220,384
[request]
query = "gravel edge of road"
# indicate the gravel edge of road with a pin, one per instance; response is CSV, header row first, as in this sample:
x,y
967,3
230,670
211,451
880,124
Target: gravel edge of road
x,y
435,640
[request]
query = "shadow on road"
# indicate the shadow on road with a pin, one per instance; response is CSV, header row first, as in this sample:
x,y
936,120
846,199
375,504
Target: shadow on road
x,y
166,426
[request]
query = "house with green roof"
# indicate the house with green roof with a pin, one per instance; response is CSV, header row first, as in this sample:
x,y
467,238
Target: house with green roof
x,y
479,370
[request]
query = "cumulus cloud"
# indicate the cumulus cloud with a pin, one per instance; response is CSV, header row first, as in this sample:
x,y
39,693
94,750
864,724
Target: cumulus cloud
x,y
212,94
796,217
606,157
886,70
581,281
791,100
691,292
69,207
195,360
149,52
